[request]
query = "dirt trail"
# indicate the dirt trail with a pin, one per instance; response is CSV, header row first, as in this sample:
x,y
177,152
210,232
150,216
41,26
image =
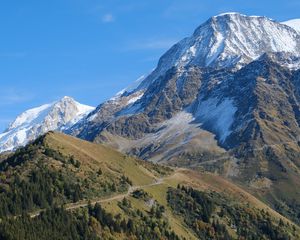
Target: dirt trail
x,y
85,203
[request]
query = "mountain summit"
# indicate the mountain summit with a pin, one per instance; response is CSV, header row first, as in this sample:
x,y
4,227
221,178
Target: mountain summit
x,y
34,122
229,40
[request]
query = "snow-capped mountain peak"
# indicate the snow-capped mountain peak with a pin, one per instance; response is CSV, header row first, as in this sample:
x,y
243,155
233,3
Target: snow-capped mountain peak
x,y
228,40
233,40
34,122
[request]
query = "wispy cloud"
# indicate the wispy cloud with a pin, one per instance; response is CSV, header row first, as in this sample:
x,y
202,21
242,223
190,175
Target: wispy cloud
x,y
108,18
152,44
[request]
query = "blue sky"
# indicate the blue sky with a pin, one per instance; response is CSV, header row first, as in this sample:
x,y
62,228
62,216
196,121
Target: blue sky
x,y
91,49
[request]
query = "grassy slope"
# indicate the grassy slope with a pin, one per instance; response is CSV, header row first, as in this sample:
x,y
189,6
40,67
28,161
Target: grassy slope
x,y
92,156
114,164
58,169
203,182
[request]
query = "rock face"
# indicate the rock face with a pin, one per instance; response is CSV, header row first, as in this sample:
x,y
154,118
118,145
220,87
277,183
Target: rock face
x,y
225,99
32,123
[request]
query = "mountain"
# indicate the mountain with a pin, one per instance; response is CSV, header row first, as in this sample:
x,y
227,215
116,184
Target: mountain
x,y
191,86
225,99
60,187
34,122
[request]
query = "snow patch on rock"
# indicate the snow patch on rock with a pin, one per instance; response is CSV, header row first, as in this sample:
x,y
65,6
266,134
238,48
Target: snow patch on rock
x,y
219,115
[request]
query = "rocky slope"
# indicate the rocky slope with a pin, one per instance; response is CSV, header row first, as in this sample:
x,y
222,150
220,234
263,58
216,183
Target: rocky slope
x,y
32,123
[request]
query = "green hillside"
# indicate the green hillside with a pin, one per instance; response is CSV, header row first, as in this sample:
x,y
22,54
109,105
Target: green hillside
x,y
60,187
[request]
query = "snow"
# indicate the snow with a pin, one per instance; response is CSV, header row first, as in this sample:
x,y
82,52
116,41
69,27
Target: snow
x,y
92,117
237,13
171,130
193,50
134,99
117,95
169,138
216,49
218,114
176,125
30,115
2,135
129,89
131,109
229,40
83,109
190,53
294,23
228,13
21,136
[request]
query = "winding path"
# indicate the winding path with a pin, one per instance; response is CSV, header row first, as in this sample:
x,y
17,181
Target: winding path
x,y
85,203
